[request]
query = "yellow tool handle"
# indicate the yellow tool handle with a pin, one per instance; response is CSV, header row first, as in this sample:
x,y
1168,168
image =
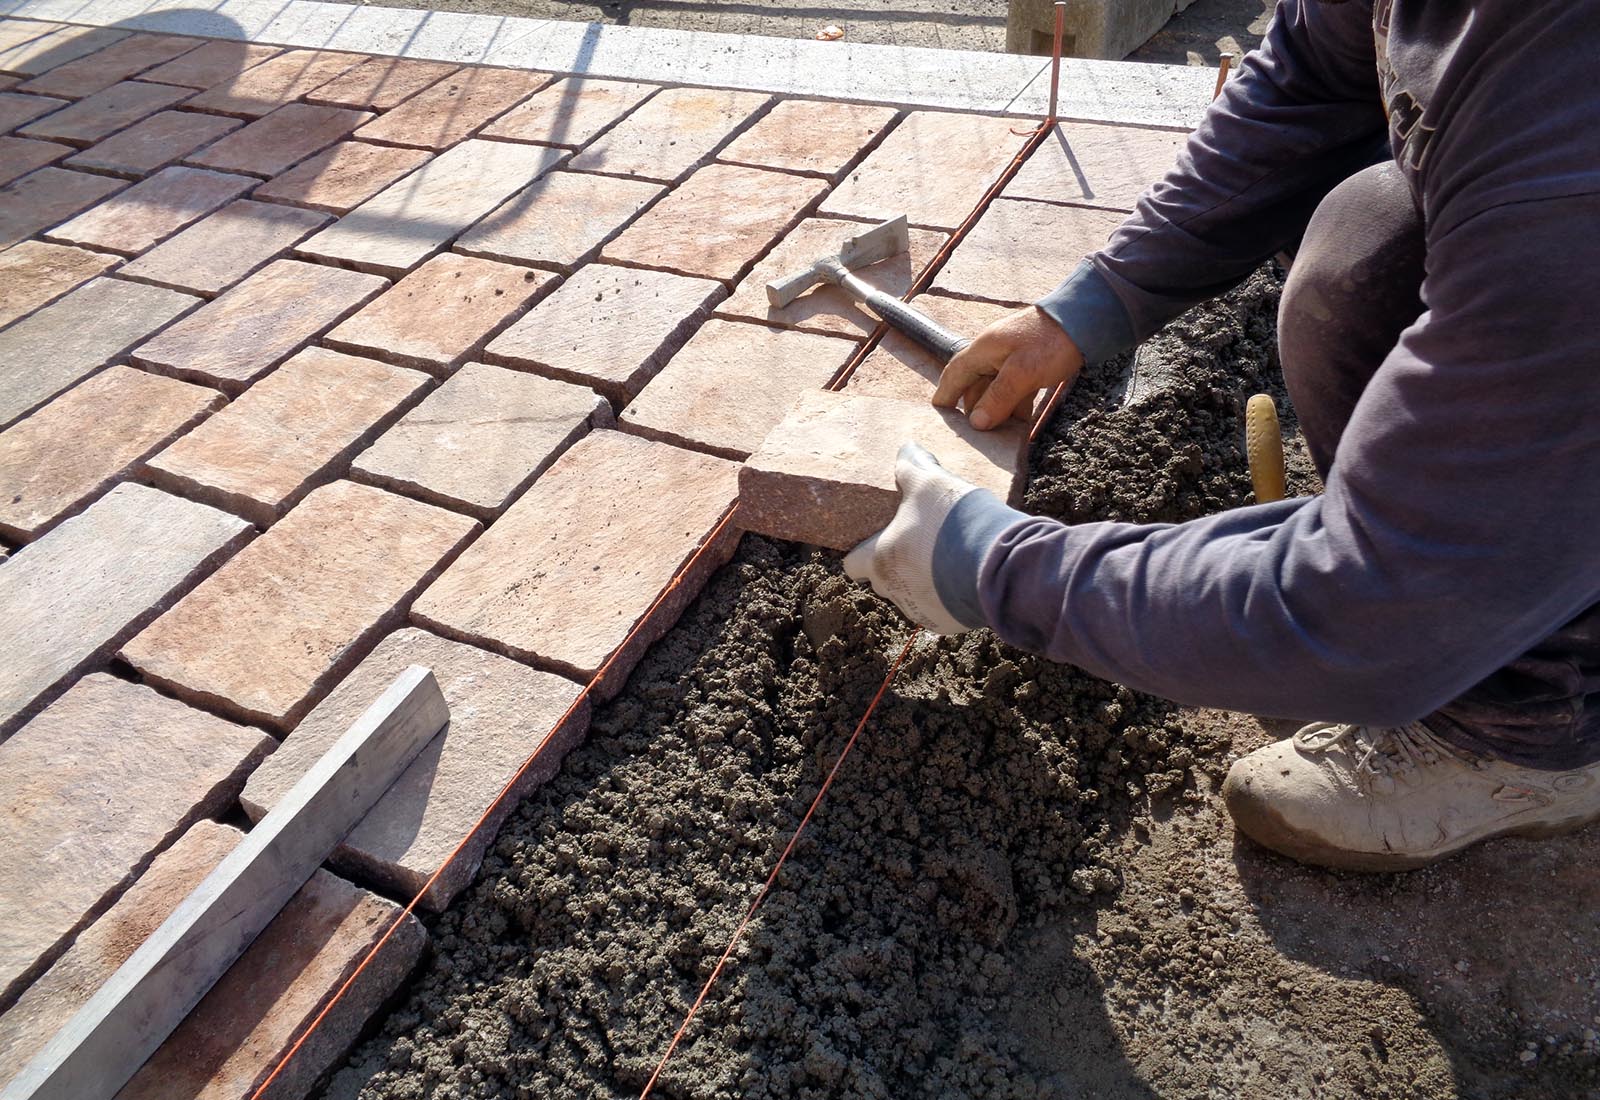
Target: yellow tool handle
x,y
1263,443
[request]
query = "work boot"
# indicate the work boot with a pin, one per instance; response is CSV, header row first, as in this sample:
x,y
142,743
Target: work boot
x,y
1361,798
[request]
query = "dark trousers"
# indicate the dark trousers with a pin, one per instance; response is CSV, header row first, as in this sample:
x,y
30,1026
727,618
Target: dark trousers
x,y
1353,288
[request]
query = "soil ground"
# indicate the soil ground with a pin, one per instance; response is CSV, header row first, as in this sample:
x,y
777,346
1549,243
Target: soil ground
x,y
1021,885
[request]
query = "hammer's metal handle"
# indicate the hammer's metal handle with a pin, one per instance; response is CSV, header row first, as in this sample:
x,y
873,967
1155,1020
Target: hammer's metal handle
x,y
913,322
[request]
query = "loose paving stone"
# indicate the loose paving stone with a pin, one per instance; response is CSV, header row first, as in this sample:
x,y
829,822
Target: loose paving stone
x,y
1019,251
103,68
933,168
76,446
731,385
35,273
380,83
16,109
826,474
295,428
411,220
45,197
19,156
808,135
480,439
318,589
264,88
276,142
441,313
152,209
344,177
570,112
542,584
670,134
1082,164
76,335
501,712
32,56
219,250
262,321
826,308
212,64
105,112
716,222
561,221
901,367
90,791
611,328
154,142
443,114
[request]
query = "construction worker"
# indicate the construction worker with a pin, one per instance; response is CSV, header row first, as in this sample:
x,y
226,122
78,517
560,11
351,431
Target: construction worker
x,y
1439,603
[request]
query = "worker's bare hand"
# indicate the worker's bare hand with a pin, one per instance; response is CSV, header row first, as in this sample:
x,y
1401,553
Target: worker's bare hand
x,y
1004,369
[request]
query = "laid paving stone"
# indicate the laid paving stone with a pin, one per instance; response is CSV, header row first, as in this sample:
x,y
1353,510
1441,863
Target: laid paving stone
x,y
809,135
30,56
74,448
319,588
570,112
68,600
611,328
676,130
292,430
14,32
731,385
716,222
47,196
35,273
380,83
411,220
253,327
76,335
441,313
212,64
225,247
276,142
561,221
343,177
19,156
1083,164
264,88
154,142
152,209
453,108
901,367
1019,251
105,67
90,791
17,109
933,168
612,497
105,112
501,712
479,440
825,475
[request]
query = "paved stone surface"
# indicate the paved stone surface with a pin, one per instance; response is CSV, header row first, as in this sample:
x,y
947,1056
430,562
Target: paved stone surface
x,y
154,142
32,56
105,112
731,385
318,589
260,322
45,197
411,220
78,445
152,209
46,352
276,142
343,177
669,135
716,222
933,168
612,497
569,112
34,273
90,790
480,439
561,221
19,156
291,431
282,79
809,135
826,474
219,250
611,328
453,108
1082,164
16,109
901,367
380,83
104,68
1020,251
500,713
441,313
212,64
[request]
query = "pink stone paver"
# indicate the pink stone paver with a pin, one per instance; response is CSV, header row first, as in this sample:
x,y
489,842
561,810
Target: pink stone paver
x,y
561,221
569,112
611,498
276,142
500,713
45,197
16,109
104,68
76,446
731,385
292,430
611,328
269,85
262,321
19,156
480,439
14,32
808,135
716,222
30,56
105,112
212,64
318,589
900,367
380,83
343,177
90,791
35,273
1082,164
450,110
152,209
221,249
154,142
1020,251
672,133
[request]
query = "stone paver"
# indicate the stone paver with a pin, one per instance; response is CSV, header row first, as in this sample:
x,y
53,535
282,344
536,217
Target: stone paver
x,y
104,68
411,220
1082,164
1019,251
14,32
676,130
318,589
561,221
450,110
808,135
343,177
266,87
826,474
223,248
295,428
611,328
45,197
480,439
569,112
16,109
612,497
731,384
154,142
105,112
380,83
72,337
716,222
276,142
901,367
251,328
67,600
35,273
441,313
500,713
90,790
212,64
76,446
933,168
32,56
152,209
19,156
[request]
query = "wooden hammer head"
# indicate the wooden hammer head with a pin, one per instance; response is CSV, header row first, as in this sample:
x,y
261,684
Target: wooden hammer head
x,y
878,243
